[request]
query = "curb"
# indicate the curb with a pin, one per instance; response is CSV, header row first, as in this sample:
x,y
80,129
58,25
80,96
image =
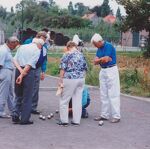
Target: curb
x,y
97,88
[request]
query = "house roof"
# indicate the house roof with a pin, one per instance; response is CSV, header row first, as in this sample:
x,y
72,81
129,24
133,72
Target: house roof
x,y
89,16
110,19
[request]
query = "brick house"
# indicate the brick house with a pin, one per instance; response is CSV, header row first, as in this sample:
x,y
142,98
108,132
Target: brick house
x,y
133,39
92,17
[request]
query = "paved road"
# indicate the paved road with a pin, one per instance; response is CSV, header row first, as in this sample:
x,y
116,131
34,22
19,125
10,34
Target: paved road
x,y
133,132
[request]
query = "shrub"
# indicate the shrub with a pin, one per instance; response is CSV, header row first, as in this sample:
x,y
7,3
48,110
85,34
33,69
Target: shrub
x,y
53,69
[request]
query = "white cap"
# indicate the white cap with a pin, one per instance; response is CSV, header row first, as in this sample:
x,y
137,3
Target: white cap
x,y
76,39
13,39
38,41
96,38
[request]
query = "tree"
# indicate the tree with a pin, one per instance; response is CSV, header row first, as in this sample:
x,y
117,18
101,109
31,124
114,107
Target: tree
x,y
97,9
118,14
105,8
52,3
3,12
44,4
12,10
81,9
138,17
70,9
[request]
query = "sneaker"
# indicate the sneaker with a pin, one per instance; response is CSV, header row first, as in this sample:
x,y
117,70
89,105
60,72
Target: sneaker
x,y
100,118
115,120
5,116
62,124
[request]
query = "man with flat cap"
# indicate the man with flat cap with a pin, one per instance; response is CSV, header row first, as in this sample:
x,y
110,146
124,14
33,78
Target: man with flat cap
x,y
109,79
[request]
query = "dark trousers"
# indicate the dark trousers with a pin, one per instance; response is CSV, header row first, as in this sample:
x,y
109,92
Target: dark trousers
x,y
83,107
23,99
35,94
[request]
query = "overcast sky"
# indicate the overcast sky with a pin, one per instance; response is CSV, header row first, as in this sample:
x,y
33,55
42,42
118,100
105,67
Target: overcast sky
x,y
64,3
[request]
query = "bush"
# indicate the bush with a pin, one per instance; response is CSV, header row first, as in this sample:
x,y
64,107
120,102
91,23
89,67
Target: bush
x,y
92,76
133,82
53,69
130,77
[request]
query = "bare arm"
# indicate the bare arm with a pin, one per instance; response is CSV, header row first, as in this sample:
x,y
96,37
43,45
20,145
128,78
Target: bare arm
x,y
102,60
23,73
17,65
61,75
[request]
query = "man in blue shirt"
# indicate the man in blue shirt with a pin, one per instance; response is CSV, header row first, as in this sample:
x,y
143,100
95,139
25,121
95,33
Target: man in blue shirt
x,y
109,79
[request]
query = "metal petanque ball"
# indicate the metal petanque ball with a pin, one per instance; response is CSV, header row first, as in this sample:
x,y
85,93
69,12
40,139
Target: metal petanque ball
x,y
101,123
51,114
40,116
43,117
49,117
57,111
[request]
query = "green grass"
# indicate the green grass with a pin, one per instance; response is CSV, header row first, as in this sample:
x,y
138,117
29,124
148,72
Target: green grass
x,y
130,54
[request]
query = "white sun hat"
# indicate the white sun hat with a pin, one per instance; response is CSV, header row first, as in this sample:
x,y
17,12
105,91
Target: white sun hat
x,y
96,38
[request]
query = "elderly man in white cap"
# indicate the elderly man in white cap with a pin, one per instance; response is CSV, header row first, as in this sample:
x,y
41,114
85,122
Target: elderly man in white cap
x,y
27,57
109,79
6,72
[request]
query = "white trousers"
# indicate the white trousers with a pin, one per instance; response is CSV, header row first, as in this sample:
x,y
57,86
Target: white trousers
x,y
110,92
73,88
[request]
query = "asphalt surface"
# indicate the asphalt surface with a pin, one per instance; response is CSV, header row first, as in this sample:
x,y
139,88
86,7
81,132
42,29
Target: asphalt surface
x,y
133,131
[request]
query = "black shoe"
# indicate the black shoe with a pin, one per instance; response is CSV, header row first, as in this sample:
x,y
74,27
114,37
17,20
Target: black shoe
x,y
100,119
26,123
15,119
62,124
86,115
74,124
35,112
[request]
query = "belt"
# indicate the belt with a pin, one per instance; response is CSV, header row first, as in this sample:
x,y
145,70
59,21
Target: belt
x,y
108,66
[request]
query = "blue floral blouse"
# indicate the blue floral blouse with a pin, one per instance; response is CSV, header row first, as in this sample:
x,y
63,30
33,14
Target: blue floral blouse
x,y
74,65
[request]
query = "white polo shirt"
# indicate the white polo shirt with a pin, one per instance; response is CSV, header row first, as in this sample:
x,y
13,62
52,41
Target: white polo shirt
x,y
27,54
